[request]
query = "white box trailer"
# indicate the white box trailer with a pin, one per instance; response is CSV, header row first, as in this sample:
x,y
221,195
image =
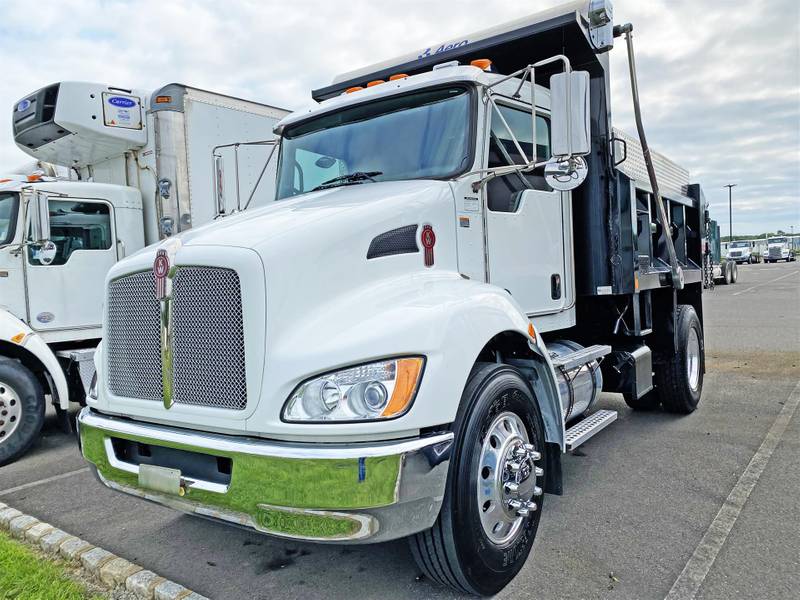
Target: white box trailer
x,y
141,171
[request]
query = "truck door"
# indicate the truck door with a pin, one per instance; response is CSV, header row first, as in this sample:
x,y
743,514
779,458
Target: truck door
x,y
68,293
525,218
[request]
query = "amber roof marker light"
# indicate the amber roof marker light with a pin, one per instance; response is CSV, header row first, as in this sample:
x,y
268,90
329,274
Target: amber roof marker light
x,y
482,63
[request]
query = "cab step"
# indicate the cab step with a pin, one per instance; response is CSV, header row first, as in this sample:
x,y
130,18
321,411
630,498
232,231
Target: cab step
x,y
588,428
567,362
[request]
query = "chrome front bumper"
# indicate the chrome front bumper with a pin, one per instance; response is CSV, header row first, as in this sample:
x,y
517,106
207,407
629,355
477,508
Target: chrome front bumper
x,y
345,493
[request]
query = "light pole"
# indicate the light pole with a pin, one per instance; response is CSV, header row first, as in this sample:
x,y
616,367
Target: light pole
x,y
730,187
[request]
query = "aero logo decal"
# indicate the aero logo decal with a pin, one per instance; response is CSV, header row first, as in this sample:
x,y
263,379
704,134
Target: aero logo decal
x,y
428,239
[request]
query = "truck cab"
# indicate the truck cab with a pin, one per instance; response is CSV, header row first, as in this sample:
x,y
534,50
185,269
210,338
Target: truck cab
x,y
52,291
778,248
742,251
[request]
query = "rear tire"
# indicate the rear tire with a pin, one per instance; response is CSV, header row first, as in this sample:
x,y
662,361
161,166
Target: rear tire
x,y
734,273
21,410
479,541
726,274
679,378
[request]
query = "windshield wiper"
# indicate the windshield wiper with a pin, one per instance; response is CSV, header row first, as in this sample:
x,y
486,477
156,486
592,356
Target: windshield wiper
x,y
357,177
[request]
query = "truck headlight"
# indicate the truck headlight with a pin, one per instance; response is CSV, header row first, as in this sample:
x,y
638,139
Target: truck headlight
x,y
369,392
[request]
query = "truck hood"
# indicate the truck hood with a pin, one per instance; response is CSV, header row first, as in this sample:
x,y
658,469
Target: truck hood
x,y
341,212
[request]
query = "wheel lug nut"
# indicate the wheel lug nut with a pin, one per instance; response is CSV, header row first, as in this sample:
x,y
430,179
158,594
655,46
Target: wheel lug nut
x,y
531,506
514,467
514,504
511,487
537,491
538,471
523,512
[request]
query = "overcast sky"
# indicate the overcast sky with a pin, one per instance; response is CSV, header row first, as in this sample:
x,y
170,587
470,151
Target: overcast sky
x,y
720,79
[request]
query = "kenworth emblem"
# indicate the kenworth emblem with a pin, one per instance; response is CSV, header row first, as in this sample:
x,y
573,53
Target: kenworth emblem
x,y
163,273
428,239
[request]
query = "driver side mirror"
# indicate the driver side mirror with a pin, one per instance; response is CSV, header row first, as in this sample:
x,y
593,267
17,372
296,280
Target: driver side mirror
x,y
39,211
569,108
569,130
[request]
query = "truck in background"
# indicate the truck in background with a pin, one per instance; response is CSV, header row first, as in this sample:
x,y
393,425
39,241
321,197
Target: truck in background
x,y
406,341
717,269
142,171
743,251
779,248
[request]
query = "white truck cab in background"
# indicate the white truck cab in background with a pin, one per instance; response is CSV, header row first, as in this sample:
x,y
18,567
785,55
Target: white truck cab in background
x,y
778,248
742,251
141,170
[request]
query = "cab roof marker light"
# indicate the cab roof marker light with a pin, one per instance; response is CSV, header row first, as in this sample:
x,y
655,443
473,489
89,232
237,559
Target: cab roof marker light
x,y
374,83
484,64
446,65
355,88
398,76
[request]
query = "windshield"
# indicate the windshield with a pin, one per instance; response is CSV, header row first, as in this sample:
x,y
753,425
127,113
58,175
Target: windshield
x,y
740,245
8,216
780,240
423,135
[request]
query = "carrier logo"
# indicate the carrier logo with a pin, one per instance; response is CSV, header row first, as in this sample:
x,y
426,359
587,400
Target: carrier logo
x,y
121,102
23,106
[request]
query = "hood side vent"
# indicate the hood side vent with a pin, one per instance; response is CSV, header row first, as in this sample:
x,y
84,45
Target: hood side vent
x,y
402,240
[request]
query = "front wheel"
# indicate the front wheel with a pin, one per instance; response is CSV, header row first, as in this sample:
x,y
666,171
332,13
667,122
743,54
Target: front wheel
x,y
734,273
21,410
493,500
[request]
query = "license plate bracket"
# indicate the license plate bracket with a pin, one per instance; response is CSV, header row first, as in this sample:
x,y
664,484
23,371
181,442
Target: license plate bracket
x,y
160,479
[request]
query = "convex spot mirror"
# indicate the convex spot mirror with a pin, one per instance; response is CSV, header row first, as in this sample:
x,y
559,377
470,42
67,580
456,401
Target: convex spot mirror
x,y
569,107
565,174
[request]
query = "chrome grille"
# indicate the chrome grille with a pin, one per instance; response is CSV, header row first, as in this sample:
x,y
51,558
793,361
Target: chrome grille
x,y
208,350
134,337
208,338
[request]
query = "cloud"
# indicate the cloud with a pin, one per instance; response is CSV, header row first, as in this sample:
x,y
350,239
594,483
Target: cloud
x,y
720,81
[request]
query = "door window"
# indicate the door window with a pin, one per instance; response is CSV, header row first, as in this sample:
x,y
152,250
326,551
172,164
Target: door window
x,y
503,192
76,226
8,217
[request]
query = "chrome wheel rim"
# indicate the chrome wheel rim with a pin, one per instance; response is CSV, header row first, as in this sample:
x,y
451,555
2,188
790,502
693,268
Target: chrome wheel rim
x,y
10,411
693,359
506,479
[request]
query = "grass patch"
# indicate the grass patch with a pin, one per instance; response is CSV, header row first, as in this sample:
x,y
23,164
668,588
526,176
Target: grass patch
x,y
24,575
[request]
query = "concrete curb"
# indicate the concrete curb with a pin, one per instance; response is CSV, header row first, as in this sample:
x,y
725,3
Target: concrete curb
x,y
108,569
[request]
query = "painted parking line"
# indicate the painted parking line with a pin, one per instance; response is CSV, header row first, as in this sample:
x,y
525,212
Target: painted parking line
x,y
758,285
694,573
25,486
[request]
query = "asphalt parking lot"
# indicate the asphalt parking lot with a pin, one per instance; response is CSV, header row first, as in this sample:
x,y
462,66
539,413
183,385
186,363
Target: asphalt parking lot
x,y
639,498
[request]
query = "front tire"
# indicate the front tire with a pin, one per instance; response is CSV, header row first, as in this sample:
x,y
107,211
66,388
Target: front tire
x,y
734,273
492,504
21,410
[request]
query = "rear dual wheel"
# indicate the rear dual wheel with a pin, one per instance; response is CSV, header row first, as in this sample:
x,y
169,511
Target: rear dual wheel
x,y
493,499
678,376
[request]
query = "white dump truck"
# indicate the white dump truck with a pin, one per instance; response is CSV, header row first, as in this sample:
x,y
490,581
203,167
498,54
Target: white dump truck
x,y
406,341
142,170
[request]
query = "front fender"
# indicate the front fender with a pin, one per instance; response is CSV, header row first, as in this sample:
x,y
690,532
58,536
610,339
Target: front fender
x,y
10,330
442,316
